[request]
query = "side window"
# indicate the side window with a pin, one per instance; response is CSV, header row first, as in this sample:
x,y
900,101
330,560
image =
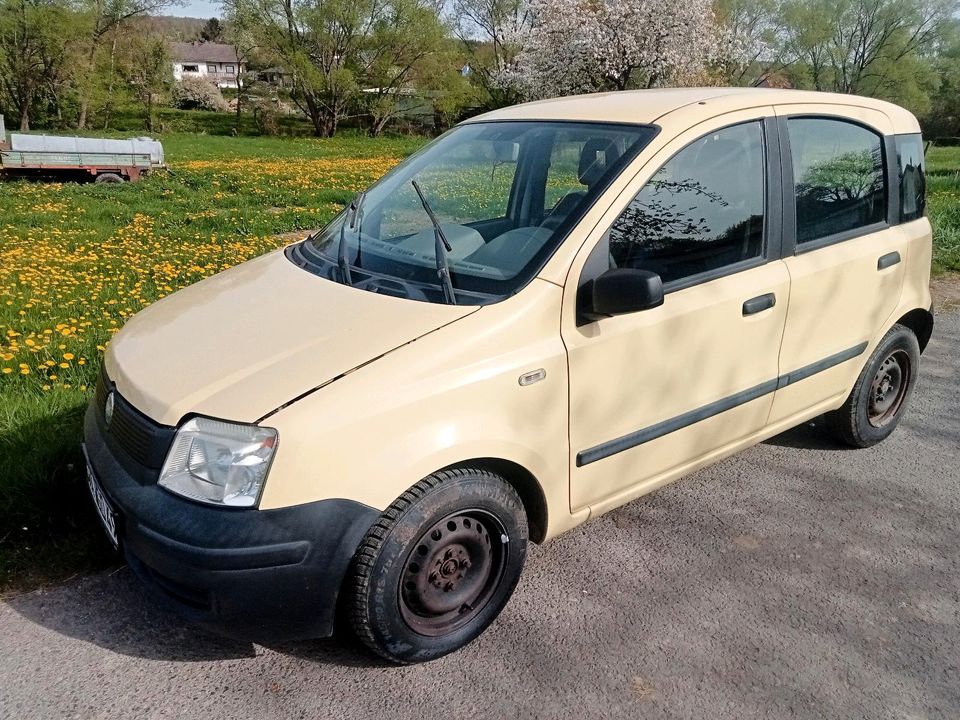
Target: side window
x,y
702,211
913,184
838,177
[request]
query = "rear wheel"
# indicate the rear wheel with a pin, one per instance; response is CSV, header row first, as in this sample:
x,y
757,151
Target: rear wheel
x,y
108,178
439,565
877,401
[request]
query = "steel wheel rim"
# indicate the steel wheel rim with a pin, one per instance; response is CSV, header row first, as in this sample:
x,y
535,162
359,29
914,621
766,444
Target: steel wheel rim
x,y
888,388
452,572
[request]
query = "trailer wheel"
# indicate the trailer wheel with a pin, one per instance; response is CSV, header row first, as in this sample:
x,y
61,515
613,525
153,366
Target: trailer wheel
x,y
108,178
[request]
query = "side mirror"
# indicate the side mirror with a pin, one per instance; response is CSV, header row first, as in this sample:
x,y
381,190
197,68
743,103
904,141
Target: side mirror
x,y
619,291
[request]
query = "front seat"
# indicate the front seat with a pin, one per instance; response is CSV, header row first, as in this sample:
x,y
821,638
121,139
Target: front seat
x,y
596,157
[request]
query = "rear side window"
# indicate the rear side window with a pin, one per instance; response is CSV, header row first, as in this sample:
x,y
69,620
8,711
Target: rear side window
x,y
913,184
838,177
702,211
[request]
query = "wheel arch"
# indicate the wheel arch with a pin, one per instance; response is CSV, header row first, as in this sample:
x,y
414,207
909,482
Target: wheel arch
x,y
526,485
920,322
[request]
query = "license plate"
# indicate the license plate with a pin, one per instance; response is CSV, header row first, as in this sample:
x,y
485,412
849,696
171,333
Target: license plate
x,y
104,510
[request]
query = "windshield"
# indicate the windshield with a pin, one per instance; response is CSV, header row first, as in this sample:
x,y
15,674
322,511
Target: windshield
x,y
479,209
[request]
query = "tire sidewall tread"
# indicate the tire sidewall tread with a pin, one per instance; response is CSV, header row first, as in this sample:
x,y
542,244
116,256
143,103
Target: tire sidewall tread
x,y
379,561
850,423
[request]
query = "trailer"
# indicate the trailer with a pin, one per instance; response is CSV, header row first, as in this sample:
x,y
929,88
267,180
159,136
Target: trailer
x,y
75,158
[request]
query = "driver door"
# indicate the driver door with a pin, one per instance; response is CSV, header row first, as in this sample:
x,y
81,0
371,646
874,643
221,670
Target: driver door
x,y
657,392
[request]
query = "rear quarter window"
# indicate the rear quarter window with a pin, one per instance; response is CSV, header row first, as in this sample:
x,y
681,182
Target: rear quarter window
x,y
912,180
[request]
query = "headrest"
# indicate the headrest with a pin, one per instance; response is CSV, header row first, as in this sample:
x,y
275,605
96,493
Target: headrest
x,y
596,158
717,153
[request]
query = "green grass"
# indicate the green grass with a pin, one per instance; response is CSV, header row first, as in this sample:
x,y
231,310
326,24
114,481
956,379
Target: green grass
x,y
943,192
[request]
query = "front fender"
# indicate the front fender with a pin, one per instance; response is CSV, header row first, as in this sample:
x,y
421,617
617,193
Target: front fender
x,y
449,397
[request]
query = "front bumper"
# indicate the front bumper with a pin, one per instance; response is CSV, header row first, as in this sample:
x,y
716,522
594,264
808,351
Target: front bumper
x,y
261,575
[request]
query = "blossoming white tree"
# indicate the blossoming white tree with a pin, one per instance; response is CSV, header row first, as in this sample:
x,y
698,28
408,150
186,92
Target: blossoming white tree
x,y
577,46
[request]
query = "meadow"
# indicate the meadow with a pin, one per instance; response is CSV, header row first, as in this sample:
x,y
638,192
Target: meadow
x,y
77,260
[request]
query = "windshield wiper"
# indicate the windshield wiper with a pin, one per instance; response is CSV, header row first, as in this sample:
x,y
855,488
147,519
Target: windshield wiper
x,y
441,248
354,210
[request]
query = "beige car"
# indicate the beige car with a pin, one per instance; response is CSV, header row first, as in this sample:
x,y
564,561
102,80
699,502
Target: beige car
x,y
544,314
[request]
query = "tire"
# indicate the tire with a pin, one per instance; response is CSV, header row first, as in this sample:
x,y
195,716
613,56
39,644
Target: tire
x,y
881,393
438,566
108,178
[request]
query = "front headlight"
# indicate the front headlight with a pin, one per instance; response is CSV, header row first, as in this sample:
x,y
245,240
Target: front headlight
x,y
217,462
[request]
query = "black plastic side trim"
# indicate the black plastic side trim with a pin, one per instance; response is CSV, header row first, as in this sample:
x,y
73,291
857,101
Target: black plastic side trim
x,y
828,240
892,179
612,447
773,181
626,442
246,558
888,260
788,201
819,366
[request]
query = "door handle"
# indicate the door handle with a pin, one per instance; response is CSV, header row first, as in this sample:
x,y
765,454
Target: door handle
x,y
888,260
759,304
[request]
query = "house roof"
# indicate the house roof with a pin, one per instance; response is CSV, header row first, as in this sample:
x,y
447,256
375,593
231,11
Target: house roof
x,y
200,52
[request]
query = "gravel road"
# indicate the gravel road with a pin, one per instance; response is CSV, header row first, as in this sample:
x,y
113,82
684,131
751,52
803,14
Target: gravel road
x,y
797,579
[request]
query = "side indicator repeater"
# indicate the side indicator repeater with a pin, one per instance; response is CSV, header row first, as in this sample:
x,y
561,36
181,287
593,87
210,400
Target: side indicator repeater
x,y
529,378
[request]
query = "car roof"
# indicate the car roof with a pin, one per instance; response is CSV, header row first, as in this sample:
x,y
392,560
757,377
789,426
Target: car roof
x,y
649,106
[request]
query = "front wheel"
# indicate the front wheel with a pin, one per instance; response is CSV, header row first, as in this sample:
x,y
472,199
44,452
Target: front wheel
x,y
438,566
877,401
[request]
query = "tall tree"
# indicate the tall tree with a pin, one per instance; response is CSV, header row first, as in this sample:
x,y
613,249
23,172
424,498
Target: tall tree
x,y
394,59
212,30
147,68
318,42
335,48
750,47
32,52
576,47
854,46
493,33
241,32
100,18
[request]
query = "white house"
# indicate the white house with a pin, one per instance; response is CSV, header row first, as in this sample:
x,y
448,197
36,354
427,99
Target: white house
x,y
215,62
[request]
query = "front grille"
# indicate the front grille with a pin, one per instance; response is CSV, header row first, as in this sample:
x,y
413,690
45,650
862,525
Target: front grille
x,y
143,440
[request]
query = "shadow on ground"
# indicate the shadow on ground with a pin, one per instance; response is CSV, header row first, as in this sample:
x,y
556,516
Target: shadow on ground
x,y
113,611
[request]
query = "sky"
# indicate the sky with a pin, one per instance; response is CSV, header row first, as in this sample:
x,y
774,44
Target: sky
x,y
196,8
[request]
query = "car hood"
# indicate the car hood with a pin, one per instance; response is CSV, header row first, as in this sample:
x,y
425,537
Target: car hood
x,y
246,341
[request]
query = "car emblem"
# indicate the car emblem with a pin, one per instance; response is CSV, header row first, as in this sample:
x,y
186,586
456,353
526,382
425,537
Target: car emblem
x,y
108,409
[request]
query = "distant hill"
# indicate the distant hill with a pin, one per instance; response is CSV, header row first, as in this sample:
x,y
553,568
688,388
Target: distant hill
x,y
175,29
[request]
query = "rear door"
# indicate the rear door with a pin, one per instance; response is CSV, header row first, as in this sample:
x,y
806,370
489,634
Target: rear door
x,y
845,254
657,391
